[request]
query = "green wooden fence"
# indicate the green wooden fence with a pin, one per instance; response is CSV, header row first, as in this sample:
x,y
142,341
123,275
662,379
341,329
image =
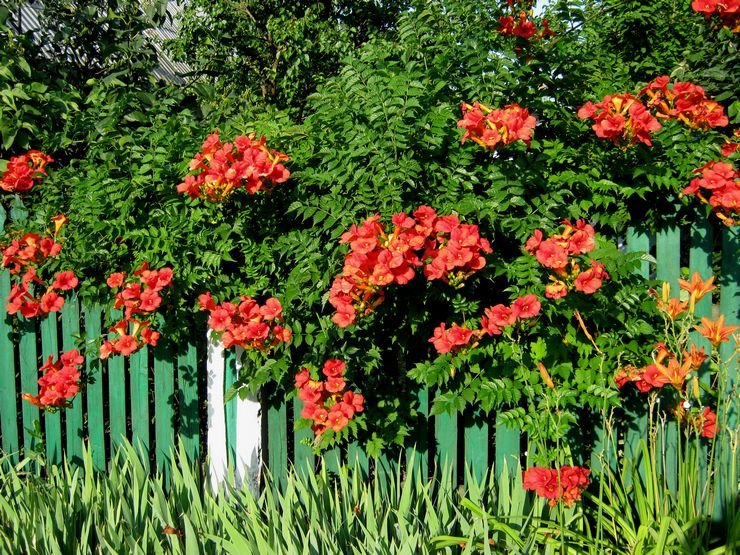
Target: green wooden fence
x,y
157,395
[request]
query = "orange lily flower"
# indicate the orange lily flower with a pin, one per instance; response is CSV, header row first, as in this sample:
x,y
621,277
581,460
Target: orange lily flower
x,y
715,332
696,287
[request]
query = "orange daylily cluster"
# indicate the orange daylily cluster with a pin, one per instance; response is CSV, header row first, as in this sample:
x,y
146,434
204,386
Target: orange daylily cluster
x,y
668,369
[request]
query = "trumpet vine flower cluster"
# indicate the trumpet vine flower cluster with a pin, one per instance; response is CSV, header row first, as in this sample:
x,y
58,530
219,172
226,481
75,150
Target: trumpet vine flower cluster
x,y
248,324
564,484
140,297
28,255
327,403
727,11
559,253
519,24
59,383
223,168
24,171
622,118
492,128
719,181
493,322
447,249
626,120
685,102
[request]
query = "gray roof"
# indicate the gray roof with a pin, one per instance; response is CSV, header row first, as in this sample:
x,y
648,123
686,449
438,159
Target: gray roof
x,y
25,19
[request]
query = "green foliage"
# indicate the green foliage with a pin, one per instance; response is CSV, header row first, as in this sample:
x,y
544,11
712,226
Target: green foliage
x,y
275,52
130,510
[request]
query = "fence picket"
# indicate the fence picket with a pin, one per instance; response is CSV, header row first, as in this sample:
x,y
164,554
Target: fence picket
x,y
476,444
277,443
668,269
303,460
8,393
117,412
164,412
73,416
29,379
139,380
635,419
188,400
445,434
727,415
94,390
52,421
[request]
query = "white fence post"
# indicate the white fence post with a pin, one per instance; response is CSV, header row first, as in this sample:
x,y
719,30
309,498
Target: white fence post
x,y
248,426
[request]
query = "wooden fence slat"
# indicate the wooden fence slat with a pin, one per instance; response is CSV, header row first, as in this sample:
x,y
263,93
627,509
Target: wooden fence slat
x,y
164,413
668,269
117,411
636,421
357,457
420,449
29,378
189,404
95,415
8,394
139,380
230,406
216,412
248,448
508,447
476,444
73,415
303,460
727,416
700,260
277,448
332,459
445,435
52,421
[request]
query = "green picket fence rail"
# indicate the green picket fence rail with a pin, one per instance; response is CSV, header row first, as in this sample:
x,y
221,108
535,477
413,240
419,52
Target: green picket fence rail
x,y
158,394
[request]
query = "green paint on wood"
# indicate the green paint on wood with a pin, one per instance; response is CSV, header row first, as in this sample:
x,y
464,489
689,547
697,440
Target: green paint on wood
x,y
508,447
302,454
357,457
72,415
700,260
164,406
117,411
230,408
8,394
52,421
187,381
419,451
636,419
95,416
29,378
277,444
476,444
139,370
668,256
727,478
332,459
445,434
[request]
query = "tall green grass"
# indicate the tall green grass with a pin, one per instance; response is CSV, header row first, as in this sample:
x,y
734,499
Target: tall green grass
x,y
130,510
